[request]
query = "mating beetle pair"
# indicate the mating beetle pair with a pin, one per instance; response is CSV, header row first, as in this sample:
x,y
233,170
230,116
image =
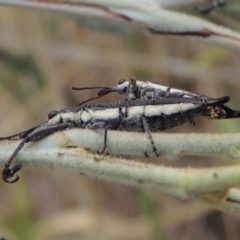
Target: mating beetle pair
x,y
148,107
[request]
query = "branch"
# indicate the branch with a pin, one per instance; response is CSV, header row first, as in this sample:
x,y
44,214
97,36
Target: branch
x,y
214,186
175,3
171,146
146,13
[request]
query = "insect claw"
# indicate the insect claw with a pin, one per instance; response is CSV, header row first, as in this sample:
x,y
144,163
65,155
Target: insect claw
x,y
9,172
192,122
15,180
146,154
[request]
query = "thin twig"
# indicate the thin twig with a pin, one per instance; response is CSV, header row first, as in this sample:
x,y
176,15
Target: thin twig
x,y
214,186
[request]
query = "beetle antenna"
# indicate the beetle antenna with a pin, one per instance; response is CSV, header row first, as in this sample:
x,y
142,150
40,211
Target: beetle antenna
x,y
86,88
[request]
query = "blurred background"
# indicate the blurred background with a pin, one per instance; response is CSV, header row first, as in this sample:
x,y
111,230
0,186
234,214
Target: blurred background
x,y
43,55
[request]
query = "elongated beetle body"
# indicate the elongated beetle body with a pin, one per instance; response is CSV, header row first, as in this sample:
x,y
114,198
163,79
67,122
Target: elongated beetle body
x,y
138,115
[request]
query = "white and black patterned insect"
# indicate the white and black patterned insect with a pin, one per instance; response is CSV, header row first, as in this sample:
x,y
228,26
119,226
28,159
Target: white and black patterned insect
x,y
136,89
139,115
213,4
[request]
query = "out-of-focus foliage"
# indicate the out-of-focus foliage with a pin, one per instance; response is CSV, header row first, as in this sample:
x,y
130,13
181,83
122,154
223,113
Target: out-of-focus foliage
x,y
227,15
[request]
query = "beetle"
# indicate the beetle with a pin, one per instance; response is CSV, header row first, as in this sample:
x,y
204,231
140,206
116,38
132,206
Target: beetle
x,y
135,89
137,115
